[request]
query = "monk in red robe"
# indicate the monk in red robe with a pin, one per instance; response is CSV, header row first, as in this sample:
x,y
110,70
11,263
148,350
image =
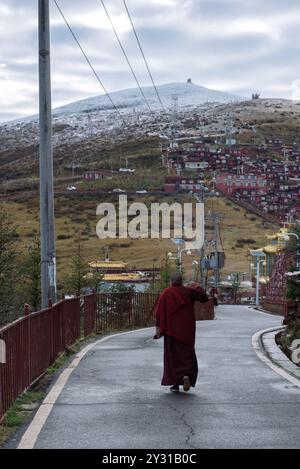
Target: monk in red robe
x,y
175,321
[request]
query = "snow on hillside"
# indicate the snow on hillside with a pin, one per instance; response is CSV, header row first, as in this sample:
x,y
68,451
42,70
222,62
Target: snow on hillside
x,y
188,94
95,118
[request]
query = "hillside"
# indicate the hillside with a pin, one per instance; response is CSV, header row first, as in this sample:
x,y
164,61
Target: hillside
x,y
90,134
189,94
76,217
95,140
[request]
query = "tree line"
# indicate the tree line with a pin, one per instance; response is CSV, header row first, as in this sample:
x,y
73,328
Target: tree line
x,y
20,272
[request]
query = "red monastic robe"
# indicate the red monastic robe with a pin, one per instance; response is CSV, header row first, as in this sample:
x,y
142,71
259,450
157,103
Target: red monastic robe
x,y
176,319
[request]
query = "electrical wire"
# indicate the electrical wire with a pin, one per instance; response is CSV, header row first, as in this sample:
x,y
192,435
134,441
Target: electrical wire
x,y
143,54
89,62
126,56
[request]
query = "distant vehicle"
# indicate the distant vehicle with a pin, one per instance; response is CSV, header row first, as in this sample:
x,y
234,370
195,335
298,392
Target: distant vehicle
x,y
126,170
71,188
119,191
142,192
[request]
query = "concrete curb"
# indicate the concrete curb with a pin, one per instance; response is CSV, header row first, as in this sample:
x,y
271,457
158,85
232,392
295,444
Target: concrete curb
x,y
267,350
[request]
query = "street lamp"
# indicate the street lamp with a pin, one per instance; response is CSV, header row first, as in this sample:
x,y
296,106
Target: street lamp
x,y
178,256
195,264
205,194
188,251
260,259
287,238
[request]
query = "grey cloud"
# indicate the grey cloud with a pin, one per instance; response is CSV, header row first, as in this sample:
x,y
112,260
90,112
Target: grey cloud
x,y
237,45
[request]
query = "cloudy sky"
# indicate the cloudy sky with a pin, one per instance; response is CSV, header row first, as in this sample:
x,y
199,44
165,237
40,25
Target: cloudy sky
x,y
239,46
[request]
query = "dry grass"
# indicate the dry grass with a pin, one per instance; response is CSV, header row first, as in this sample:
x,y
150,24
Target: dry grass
x,y
239,224
76,217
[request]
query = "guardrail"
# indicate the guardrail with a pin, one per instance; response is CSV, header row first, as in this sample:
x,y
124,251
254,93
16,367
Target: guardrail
x,y
205,311
286,308
32,344
116,311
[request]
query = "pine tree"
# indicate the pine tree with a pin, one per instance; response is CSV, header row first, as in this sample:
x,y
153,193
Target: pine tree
x,y
9,307
165,277
293,288
94,279
31,276
78,278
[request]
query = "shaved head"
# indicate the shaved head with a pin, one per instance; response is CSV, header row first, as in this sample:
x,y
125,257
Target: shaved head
x,y
176,278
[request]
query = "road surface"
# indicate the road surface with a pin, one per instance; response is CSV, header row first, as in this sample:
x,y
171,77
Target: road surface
x,y
113,399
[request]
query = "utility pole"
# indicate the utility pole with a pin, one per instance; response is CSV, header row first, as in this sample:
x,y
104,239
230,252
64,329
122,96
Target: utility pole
x,y
216,239
48,258
202,268
235,285
174,120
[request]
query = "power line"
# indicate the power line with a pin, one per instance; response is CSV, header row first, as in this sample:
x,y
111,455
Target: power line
x,y
143,55
126,57
89,62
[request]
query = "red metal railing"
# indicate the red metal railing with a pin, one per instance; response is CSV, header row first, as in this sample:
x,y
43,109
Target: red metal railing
x,y
89,314
205,311
117,311
32,344
282,307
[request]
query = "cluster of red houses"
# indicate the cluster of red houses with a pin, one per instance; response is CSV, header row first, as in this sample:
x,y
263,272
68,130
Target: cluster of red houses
x,y
98,175
267,176
175,184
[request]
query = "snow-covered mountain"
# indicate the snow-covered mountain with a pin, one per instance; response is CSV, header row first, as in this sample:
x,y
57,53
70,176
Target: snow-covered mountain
x,y
189,94
82,128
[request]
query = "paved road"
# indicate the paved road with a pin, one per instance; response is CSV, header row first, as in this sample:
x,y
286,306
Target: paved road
x,y
114,398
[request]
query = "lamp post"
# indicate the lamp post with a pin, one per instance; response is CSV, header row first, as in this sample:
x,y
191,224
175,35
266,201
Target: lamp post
x,y
188,251
196,269
205,194
178,257
260,259
287,238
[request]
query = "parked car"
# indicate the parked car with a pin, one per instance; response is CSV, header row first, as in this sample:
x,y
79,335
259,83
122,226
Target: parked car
x,y
142,192
119,191
71,188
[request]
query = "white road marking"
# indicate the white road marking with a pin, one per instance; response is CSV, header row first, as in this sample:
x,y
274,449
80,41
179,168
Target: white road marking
x,y
256,344
31,435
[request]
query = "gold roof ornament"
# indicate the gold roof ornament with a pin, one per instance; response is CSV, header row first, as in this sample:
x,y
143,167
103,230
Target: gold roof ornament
x,y
279,235
106,265
126,277
273,248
